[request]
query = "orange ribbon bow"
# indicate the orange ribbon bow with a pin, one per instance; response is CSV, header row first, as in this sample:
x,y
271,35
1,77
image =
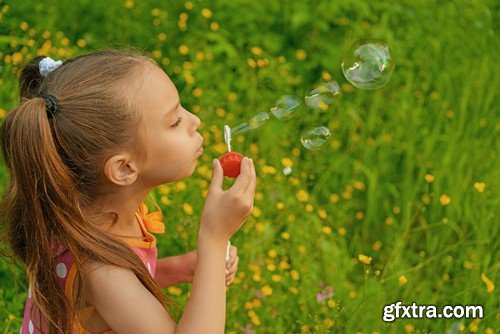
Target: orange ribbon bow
x,y
152,221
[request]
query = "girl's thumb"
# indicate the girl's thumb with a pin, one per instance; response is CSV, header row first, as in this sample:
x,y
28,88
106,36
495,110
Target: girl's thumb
x,y
217,176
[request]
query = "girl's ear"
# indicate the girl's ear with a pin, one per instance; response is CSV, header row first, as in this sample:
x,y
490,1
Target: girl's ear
x,y
120,170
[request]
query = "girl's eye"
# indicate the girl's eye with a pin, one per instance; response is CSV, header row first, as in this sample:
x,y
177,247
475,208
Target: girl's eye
x,y
176,124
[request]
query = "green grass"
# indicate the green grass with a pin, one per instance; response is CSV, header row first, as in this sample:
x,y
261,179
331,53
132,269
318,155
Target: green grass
x,y
437,116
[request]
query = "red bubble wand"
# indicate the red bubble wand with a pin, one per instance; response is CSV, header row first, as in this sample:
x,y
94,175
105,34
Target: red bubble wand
x,y
231,161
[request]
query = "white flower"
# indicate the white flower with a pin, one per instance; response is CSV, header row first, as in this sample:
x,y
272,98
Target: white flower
x,y
47,65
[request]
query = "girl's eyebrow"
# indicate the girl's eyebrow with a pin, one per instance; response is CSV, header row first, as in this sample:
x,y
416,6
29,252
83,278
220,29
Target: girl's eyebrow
x,y
170,111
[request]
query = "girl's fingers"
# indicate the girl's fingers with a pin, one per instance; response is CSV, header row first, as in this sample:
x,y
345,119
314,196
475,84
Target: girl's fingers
x,y
244,178
250,189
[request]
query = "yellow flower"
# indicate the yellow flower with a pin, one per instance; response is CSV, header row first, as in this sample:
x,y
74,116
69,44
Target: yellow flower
x,y
214,26
128,4
301,54
490,286
302,249
309,207
302,195
187,208
220,112
429,178
326,230
256,50
276,278
197,92
295,275
179,186
81,43
287,162
156,11
444,199
284,265
328,323
342,231
326,76
377,245
183,49
279,205
473,326
206,13
256,212
322,214
364,259
268,170
259,227
162,36
334,198
480,186
188,5
409,328
272,253
164,199
285,235
267,290
402,280
24,26
175,291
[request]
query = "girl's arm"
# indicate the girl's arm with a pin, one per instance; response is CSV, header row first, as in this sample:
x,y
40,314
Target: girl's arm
x,y
170,271
128,307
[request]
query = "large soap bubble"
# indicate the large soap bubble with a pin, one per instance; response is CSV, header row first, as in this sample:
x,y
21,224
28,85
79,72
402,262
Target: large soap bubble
x,y
285,107
315,138
368,64
322,97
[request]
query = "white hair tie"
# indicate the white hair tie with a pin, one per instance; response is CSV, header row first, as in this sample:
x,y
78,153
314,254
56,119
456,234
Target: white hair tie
x,y
47,65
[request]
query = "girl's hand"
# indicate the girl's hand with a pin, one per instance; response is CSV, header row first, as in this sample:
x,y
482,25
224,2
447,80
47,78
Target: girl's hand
x,y
225,211
187,265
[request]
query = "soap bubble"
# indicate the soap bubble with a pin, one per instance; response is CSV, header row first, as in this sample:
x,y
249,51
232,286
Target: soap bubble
x,y
315,138
322,97
285,106
368,64
256,122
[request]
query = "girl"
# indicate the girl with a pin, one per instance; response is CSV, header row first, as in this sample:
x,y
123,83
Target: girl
x,y
90,139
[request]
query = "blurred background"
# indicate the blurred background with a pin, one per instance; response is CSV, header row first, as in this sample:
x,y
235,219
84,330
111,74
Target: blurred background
x,y
399,205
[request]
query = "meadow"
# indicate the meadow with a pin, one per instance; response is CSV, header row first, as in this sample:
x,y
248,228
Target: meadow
x,y
401,203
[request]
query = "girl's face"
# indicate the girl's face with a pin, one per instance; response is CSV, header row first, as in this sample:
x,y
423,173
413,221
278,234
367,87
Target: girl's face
x,y
172,142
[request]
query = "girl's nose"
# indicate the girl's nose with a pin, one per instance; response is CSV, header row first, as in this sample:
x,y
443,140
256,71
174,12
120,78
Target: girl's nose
x,y
197,121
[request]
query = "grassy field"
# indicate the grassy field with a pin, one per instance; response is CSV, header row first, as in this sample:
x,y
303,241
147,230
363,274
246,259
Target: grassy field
x,y
409,177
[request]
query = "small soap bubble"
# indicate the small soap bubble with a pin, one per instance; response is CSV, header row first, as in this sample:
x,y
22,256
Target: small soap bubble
x,y
322,98
368,64
285,106
287,171
315,138
256,122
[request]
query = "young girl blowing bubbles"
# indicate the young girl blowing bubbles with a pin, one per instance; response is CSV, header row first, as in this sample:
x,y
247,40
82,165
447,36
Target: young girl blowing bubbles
x,y
92,136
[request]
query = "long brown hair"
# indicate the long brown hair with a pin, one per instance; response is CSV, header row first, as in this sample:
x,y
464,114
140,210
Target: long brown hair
x,y
55,169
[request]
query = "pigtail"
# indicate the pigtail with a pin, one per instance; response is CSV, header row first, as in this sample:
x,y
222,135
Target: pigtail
x,y
26,139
